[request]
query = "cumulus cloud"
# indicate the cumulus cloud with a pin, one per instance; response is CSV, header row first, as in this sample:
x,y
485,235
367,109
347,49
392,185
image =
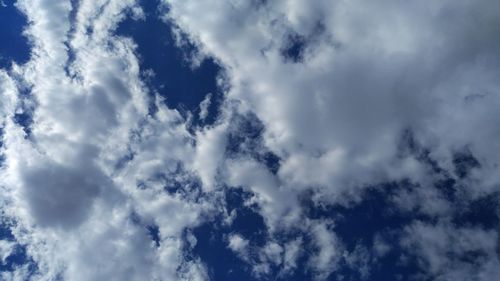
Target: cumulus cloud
x,y
365,78
339,85
73,183
322,101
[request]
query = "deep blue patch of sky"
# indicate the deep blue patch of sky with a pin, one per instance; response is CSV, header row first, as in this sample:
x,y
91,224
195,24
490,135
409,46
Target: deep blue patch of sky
x,y
183,86
211,247
14,46
18,257
358,224
294,51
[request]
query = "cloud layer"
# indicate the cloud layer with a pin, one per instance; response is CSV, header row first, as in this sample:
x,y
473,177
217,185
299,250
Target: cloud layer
x,y
326,105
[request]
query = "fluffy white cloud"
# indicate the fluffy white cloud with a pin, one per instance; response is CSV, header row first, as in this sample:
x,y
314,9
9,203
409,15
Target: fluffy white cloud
x,y
89,179
339,84
336,117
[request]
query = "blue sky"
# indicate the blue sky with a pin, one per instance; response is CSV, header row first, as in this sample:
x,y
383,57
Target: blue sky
x,y
238,140
15,46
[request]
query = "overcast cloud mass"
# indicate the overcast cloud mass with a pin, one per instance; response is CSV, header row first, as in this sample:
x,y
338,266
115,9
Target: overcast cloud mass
x,y
249,140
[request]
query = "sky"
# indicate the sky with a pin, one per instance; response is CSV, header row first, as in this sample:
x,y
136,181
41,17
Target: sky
x,y
247,140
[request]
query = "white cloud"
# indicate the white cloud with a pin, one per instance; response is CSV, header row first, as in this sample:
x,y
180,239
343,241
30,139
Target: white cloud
x,y
239,245
210,154
329,251
73,184
6,249
366,78
204,105
292,253
365,74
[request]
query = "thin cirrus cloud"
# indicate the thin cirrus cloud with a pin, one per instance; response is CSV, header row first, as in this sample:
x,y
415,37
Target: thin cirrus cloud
x,y
317,141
